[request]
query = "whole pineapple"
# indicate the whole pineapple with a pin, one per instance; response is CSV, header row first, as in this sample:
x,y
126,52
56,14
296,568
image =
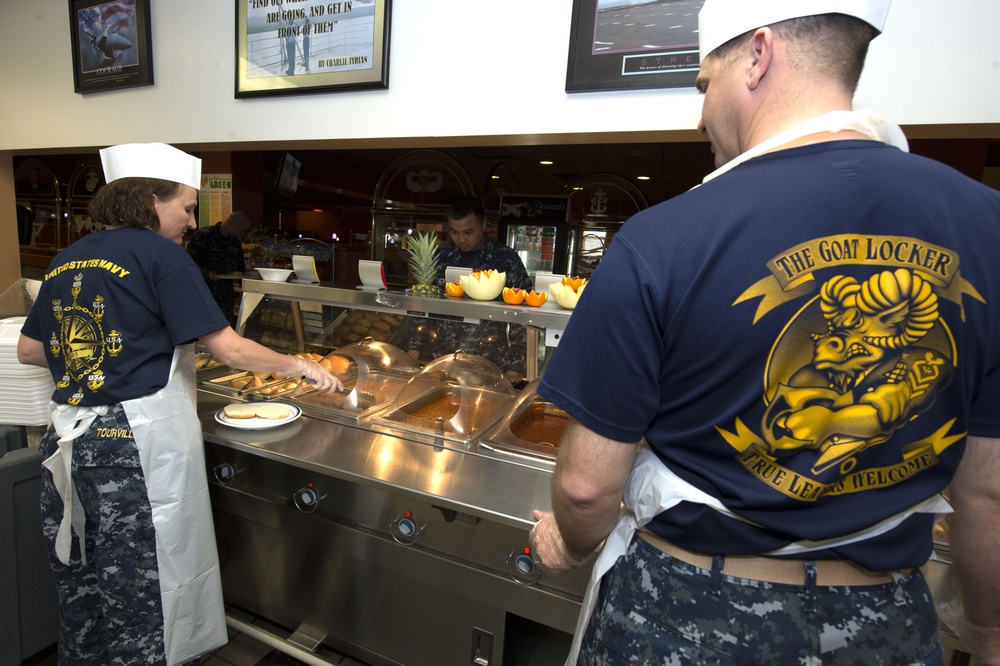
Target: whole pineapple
x,y
424,252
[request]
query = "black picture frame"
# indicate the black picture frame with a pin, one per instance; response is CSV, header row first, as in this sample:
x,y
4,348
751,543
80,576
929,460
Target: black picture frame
x,y
653,45
336,46
112,44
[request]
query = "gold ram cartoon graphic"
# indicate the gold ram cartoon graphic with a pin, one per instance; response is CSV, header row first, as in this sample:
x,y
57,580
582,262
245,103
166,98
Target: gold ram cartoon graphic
x,y
880,362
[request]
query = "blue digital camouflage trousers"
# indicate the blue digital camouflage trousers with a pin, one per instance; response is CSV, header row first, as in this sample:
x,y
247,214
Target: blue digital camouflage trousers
x,y
109,609
655,609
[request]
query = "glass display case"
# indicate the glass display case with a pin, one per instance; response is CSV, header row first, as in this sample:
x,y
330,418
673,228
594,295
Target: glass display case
x,y
322,318
40,206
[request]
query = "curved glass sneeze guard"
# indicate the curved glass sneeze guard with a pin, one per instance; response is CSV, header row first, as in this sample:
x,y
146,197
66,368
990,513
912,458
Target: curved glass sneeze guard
x,y
454,398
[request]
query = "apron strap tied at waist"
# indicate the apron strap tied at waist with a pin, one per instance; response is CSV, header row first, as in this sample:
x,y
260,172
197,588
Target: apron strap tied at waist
x,y
69,422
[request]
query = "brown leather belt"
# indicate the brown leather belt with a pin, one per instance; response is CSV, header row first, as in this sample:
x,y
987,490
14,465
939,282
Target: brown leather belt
x,y
829,573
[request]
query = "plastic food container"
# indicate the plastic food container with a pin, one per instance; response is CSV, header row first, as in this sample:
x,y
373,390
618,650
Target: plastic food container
x,y
454,398
372,372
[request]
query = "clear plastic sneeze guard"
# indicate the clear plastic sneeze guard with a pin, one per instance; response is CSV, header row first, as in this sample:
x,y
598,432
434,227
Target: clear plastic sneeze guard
x,y
372,372
17,299
454,398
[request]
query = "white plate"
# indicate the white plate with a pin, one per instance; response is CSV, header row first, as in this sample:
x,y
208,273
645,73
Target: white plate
x,y
257,423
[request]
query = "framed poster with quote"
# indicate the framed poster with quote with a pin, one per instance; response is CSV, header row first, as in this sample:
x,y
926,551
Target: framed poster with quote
x,y
631,44
288,47
112,46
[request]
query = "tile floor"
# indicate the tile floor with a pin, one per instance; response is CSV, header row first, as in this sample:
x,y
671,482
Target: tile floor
x,y
241,650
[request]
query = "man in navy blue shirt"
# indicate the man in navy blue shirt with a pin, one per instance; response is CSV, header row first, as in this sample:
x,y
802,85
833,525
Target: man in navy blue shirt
x,y
796,359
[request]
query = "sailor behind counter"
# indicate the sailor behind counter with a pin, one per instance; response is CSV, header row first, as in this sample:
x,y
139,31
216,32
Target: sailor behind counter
x,y
125,507
501,343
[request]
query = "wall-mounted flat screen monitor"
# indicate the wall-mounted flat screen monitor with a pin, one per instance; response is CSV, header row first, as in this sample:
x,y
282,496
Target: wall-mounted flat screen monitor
x,y
286,178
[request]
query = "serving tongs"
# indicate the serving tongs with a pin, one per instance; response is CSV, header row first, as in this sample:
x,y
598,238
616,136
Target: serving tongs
x,y
355,396
206,363
250,388
362,399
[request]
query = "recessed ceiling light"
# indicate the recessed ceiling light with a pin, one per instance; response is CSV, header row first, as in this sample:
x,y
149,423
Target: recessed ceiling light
x,y
642,177
546,162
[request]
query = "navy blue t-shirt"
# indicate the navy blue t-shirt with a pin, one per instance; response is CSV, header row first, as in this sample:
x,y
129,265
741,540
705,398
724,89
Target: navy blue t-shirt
x,y
808,338
110,311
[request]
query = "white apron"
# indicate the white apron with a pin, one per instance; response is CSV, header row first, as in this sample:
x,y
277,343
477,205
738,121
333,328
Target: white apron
x,y
168,436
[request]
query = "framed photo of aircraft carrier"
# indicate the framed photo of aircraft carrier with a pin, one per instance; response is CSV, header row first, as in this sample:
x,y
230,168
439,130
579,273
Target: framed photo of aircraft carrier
x,y
311,46
628,44
112,46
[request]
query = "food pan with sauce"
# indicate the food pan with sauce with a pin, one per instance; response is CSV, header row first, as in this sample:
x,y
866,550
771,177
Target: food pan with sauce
x,y
455,398
533,427
372,373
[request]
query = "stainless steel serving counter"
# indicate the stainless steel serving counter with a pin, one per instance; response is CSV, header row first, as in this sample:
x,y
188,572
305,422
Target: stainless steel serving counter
x,y
483,484
387,548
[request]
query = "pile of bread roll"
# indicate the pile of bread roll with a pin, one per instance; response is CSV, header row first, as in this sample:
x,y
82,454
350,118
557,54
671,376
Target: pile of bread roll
x,y
361,324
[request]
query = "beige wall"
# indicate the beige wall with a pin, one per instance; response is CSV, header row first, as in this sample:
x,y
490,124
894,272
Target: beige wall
x,y
10,261
459,70
462,72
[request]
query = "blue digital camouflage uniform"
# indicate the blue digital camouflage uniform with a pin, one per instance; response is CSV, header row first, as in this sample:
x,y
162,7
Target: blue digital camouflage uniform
x,y
492,255
110,610
500,343
222,254
655,609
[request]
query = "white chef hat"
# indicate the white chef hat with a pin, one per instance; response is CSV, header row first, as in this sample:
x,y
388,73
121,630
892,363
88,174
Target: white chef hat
x,y
151,160
721,20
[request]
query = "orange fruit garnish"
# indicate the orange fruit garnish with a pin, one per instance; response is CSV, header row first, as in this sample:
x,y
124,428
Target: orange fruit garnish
x,y
513,295
535,298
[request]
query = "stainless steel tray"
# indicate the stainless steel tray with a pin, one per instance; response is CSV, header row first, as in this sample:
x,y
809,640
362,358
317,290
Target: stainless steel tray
x,y
451,412
355,403
535,429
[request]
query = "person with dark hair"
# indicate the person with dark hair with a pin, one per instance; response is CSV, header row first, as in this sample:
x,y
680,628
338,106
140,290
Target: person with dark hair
x,y
471,247
125,508
218,251
792,371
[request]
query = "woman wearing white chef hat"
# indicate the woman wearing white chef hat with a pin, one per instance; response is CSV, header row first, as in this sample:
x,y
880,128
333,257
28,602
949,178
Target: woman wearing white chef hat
x,y
125,502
